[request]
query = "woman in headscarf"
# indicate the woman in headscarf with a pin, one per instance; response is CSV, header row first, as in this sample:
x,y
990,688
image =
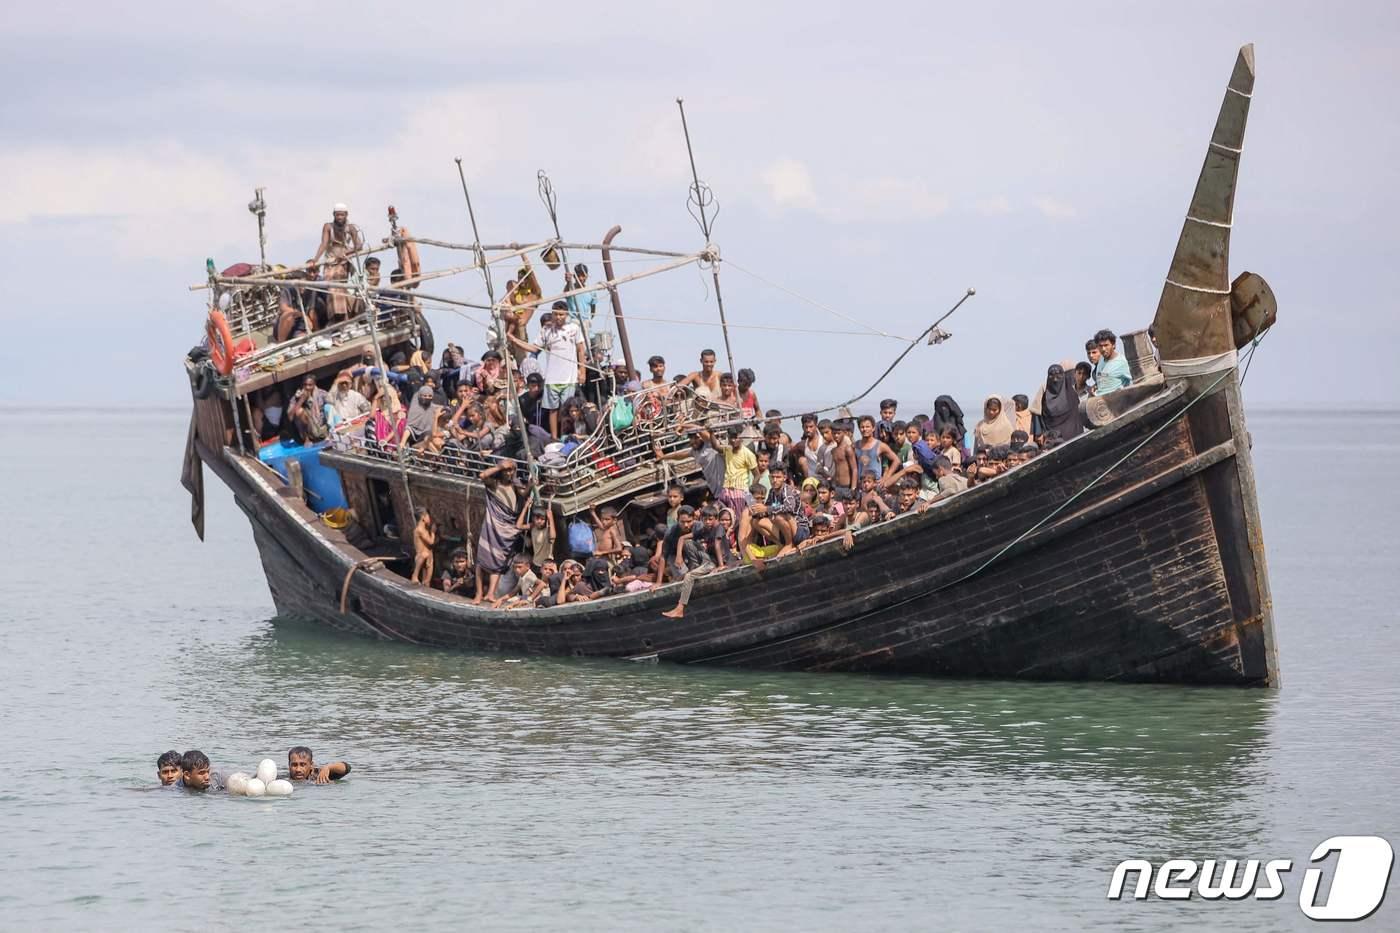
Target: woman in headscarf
x,y
1038,403
1059,407
947,414
422,414
388,421
995,427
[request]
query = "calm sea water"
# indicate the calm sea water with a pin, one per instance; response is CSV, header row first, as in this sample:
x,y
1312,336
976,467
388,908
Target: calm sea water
x,y
504,793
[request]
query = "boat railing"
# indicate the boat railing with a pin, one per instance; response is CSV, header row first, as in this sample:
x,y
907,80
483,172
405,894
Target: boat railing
x,y
611,462
252,308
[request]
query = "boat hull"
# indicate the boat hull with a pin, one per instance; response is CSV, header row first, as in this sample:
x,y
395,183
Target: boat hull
x,y
1131,554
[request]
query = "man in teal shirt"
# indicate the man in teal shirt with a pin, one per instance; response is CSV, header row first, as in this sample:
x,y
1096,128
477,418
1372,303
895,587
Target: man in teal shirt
x,y
1111,373
580,305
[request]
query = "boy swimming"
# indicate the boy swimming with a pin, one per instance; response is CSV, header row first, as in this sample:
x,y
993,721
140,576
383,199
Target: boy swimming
x,y
168,768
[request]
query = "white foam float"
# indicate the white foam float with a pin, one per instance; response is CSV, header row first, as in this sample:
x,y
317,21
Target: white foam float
x,y
279,788
255,788
237,784
267,771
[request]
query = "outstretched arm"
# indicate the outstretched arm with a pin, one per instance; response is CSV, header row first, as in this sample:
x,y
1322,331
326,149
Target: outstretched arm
x,y
523,344
332,772
325,244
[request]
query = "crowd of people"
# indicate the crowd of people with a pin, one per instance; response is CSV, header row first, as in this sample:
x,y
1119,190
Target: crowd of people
x,y
762,499
193,770
766,493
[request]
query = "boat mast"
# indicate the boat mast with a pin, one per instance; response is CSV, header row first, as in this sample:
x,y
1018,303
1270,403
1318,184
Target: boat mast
x,y
1193,314
507,358
702,197
551,206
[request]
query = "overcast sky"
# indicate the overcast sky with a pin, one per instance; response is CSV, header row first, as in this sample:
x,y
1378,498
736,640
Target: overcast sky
x,y
877,158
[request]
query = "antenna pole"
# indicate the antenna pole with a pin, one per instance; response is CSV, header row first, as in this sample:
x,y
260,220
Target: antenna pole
x,y
702,197
258,207
507,357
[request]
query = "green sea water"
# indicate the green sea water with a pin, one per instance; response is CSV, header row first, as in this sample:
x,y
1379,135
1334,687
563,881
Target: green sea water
x,y
496,792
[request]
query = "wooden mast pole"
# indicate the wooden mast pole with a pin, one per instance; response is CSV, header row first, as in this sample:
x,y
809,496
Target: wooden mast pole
x,y
703,198
507,358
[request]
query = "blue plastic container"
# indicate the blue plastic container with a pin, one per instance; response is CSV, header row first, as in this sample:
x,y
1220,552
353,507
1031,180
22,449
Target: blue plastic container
x,y
322,484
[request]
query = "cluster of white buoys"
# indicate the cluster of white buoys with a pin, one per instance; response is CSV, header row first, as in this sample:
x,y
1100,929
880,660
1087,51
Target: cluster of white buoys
x,y
264,783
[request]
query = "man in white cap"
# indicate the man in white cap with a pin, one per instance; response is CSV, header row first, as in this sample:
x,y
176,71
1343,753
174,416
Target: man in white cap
x,y
339,239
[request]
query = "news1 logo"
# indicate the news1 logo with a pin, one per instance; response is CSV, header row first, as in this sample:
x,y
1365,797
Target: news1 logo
x,y
1359,879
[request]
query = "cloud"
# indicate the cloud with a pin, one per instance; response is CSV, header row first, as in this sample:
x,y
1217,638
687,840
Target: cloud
x,y
881,199
993,207
790,185
891,200
1054,208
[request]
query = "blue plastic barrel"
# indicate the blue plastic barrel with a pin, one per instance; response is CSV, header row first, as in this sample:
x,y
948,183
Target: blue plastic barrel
x,y
322,483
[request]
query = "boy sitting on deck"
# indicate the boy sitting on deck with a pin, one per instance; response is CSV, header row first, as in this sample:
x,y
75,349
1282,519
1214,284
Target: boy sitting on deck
x,y
301,767
458,577
521,588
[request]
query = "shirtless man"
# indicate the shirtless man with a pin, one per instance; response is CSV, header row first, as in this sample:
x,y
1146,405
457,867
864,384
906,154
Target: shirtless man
x,y
339,240
706,380
424,537
843,456
301,767
522,298
657,366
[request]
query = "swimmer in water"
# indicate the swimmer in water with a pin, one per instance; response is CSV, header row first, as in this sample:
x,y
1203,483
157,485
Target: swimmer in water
x,y
301,767
195,773
168,768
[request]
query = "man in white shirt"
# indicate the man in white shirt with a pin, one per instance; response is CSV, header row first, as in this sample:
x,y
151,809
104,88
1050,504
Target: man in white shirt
x,y
561,351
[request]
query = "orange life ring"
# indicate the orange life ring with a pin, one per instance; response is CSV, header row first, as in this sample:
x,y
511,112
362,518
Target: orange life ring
x,y
220,342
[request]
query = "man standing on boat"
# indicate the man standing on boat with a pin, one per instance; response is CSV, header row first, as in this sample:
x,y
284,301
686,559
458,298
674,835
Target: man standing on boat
x,y
339,240
740,465
565,367
581,307
1111,373
705,380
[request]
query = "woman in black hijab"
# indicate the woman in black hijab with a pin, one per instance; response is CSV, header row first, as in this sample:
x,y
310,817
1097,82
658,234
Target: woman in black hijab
x,y
947,414
1059,409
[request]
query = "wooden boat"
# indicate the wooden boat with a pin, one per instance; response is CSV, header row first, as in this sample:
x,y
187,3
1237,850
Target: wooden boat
x,y
1132,553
